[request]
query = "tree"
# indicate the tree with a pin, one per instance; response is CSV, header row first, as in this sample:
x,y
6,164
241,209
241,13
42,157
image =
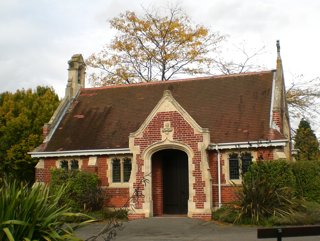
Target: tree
x,y
157,47
306,142
22,116
303,96
153,47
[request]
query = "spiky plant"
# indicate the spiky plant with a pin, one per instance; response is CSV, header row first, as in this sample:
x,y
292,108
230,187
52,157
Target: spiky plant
x,y
31,213
267,191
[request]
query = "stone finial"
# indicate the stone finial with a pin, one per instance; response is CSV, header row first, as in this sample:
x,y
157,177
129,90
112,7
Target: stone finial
x,y
278,48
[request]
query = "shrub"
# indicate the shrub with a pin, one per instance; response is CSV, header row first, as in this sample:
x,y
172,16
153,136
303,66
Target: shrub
x,y
307,174
30,213
226,214
309,213
82,192
267,190
121,214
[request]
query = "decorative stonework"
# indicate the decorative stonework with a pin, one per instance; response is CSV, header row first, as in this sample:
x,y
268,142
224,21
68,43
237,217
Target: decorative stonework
x,y
167,131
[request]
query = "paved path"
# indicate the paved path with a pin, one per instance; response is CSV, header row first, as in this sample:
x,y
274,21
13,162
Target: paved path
x,y
180,229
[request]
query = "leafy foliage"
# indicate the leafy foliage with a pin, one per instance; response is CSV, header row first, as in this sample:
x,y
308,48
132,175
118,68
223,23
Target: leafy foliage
x,y
306,142
30,213
82,192
153,47
267,190
22,116
307,175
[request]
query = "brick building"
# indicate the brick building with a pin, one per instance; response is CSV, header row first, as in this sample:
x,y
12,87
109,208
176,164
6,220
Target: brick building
x,y
188,137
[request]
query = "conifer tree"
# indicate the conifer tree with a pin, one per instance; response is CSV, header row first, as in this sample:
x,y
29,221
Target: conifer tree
x,y
22,115
306,142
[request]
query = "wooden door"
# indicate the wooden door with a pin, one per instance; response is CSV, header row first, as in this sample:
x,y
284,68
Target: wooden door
x,y
175,182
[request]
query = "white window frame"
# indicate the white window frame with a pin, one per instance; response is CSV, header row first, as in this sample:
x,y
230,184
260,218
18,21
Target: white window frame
x,y
110,171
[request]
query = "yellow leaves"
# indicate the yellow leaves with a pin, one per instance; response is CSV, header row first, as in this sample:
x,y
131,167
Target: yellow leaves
x,y
154,46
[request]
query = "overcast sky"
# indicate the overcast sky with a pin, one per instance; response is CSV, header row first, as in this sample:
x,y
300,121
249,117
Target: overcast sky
x,y
38,37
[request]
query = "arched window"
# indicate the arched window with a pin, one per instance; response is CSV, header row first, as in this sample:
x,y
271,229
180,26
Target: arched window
x,y
69,164
64,165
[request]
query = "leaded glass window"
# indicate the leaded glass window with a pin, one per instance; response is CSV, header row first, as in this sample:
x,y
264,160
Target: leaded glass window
x,y
74,165
234,166
116,170
246,160
64,165
126,169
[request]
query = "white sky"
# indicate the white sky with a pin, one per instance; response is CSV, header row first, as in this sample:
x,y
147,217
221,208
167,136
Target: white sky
x,y
38,37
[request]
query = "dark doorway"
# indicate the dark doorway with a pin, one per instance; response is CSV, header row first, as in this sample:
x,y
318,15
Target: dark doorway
x,y
175,181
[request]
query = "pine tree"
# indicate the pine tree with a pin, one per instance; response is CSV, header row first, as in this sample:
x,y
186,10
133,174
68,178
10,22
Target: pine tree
x,y
306,142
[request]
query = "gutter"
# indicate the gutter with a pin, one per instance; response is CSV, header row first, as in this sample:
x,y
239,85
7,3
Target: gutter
x,y
96,152
248,144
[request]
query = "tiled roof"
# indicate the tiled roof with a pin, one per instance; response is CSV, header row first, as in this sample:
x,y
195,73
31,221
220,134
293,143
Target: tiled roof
x,y
235,108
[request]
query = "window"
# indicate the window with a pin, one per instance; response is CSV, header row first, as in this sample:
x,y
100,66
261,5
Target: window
x,y
69,164
64,165
233,166
236,164
246,160
121,170
126,169
116,170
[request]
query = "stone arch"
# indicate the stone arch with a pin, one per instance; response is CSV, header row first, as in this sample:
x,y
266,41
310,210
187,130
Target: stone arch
x,y
147,157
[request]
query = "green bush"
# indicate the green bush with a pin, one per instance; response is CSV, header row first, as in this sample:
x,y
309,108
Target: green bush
x,y
226,214
307,174
309,213
267,191
121,214
31,213
82,189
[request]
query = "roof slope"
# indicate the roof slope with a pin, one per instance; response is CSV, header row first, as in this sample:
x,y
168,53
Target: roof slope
x,y
235,108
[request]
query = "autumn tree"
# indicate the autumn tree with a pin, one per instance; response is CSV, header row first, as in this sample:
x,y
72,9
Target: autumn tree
x,y
22,115
153,47
306,142
158,46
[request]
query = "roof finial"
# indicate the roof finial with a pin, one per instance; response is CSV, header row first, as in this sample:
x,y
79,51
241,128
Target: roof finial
x,y
278,48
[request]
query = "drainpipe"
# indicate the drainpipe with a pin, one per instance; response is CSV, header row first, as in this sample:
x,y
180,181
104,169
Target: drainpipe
x,y
219,177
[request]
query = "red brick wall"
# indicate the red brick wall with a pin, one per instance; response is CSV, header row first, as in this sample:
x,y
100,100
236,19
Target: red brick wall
x,y
184,133
266,154
86,168
228,194
157,187
276,117
102,170
48,165
117,197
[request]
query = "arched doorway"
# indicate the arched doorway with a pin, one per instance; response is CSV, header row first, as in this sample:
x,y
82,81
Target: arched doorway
x,y
170,182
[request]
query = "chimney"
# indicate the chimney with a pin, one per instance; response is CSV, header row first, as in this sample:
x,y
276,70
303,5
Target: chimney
x,y
76,76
